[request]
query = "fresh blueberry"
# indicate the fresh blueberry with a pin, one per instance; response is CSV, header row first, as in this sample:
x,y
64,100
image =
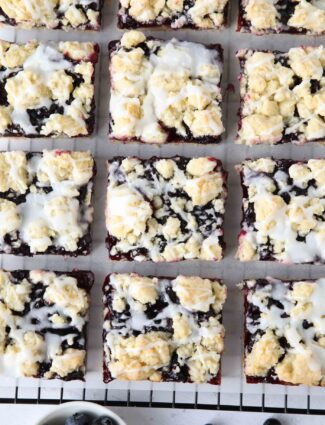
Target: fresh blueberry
x,y
272,421
78,419
103,420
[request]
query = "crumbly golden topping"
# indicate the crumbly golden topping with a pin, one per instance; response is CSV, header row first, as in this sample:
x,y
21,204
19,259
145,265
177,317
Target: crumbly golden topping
x,y
43,335
264,355
198,294
32,214
171,209
48,88
163,319
268,16
152,94
283,211
203,14
285,331
52,14
282,96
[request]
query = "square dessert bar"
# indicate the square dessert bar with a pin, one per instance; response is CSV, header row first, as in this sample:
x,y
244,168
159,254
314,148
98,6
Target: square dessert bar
x,y
164,91
284,16
283,211
165,209
43,318
52,14
47,89
163,329
45,202
282,96
285,331
197,14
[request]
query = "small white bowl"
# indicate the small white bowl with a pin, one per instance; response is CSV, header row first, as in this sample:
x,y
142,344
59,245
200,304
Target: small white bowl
x,y
64,410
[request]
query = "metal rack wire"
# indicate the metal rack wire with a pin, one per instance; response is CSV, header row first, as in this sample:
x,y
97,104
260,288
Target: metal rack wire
x,y
106,401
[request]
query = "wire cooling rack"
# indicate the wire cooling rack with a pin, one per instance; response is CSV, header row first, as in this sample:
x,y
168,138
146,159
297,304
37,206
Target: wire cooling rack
x,y
233,393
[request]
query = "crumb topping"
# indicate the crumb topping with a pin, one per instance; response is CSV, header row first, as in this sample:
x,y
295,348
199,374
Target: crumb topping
x,y
158,210
164,91
273,16
46,202
285,329
282,96
47,88
283,209
202,14
158,333
42,330
52,14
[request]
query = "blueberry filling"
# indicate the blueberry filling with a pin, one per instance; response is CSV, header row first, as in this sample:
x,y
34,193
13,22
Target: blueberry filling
x,y
288,189
256,327
37,116
125,20
13,242
208,220
33,125
60,18
155,316
37,317
173,134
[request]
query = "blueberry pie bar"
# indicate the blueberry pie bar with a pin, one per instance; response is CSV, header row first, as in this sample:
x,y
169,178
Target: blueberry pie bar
x,y
164,91
197,14
52,14
281,16
165,209
285,331
43,318
163,329
282,96
283,211
45,202
47,89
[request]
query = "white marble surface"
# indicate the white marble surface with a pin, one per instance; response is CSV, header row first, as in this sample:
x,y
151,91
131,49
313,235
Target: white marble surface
x,y
29,415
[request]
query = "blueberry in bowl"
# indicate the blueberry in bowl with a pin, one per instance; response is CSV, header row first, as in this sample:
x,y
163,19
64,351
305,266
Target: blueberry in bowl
x,y
78,419
81,413
86,419
104,420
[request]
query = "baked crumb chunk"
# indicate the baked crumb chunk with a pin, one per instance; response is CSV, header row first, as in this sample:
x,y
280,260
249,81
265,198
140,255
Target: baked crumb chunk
x,y
52,14
281,96
264,355
198,14
297,369
165,209
154,331
155,103
42,330
47,89
270,16
284,338
45,204
14,296
137,358
195,293
65,364
65,293
283,206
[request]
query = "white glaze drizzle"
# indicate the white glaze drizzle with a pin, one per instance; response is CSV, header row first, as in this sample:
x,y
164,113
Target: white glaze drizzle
x,y
11,362
124,325
68,221
180,57
282,229
300,339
